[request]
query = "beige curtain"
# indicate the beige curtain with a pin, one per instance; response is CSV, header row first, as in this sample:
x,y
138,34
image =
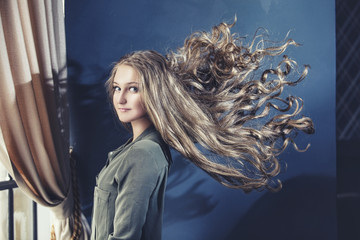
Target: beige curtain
x,y
34,140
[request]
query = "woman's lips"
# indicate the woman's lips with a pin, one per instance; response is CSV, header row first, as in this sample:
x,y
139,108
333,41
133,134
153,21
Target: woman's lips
x,y
124,109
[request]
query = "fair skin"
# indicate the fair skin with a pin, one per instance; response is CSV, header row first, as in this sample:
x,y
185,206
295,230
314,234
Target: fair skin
x,y
127,100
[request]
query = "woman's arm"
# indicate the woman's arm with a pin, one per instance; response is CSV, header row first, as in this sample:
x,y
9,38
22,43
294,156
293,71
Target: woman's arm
x,y
137,181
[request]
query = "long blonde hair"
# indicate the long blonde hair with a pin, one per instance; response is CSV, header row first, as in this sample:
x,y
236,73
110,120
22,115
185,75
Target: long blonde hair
x,y
207,103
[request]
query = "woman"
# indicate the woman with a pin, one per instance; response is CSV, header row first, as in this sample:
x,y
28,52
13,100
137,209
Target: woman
x,y
130,189
206,101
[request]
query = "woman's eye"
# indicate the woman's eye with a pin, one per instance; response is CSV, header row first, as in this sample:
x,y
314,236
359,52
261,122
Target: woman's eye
x,y
116,89
133,89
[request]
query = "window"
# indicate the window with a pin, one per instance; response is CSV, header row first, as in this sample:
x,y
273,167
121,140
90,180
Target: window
x,y
20,217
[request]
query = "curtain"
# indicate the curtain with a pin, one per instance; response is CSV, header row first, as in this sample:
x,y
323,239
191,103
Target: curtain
x,y
34,125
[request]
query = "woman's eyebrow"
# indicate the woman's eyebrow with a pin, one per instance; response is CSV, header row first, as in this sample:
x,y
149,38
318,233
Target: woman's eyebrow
x,y
127,83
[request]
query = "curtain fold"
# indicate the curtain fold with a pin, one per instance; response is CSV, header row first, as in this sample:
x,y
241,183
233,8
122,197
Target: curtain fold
x,y
34,144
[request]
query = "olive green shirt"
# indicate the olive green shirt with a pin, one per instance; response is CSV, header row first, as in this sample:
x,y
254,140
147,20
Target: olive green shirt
x,y
129,191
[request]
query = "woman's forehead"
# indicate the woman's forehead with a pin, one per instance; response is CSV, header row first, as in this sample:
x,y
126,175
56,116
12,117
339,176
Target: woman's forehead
x,y
126,74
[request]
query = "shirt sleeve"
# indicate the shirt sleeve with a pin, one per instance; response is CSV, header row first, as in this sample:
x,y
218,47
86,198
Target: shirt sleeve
x,y
137,180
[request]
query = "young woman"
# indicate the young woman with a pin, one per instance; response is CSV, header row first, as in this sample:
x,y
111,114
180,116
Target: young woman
x,y
207,101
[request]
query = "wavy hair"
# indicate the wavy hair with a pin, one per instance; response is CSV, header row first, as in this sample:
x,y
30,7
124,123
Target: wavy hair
x,y
208,102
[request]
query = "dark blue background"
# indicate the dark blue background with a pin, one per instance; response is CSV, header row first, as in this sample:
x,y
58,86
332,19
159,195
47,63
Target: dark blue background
x,y
197,207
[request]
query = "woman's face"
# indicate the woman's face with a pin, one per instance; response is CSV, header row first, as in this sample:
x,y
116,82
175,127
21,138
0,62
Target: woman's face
x,y
127,99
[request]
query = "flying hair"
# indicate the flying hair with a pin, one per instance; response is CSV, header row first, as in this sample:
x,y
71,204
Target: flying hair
x,y
209,102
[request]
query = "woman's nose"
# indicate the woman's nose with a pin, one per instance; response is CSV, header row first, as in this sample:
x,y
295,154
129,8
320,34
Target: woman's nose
x,y
120,98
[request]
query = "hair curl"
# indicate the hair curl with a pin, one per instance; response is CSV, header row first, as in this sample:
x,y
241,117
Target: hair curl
x,y
207,93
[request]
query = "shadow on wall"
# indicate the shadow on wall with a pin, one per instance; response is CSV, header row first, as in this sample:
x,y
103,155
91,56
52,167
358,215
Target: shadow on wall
x,y
304,209
299,211
94,130
189,201
348,188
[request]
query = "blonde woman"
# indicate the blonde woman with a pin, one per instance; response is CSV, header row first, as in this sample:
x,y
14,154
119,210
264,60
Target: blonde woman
x,y
207,101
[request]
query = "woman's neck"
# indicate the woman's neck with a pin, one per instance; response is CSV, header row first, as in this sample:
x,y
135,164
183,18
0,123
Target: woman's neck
x,y
139,126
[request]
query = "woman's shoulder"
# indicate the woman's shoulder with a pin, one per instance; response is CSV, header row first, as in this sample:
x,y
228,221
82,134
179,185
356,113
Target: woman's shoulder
x,y
148,145
147,152
143,162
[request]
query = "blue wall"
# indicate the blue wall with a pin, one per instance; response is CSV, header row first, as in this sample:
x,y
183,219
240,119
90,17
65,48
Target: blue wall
x,y
197,207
